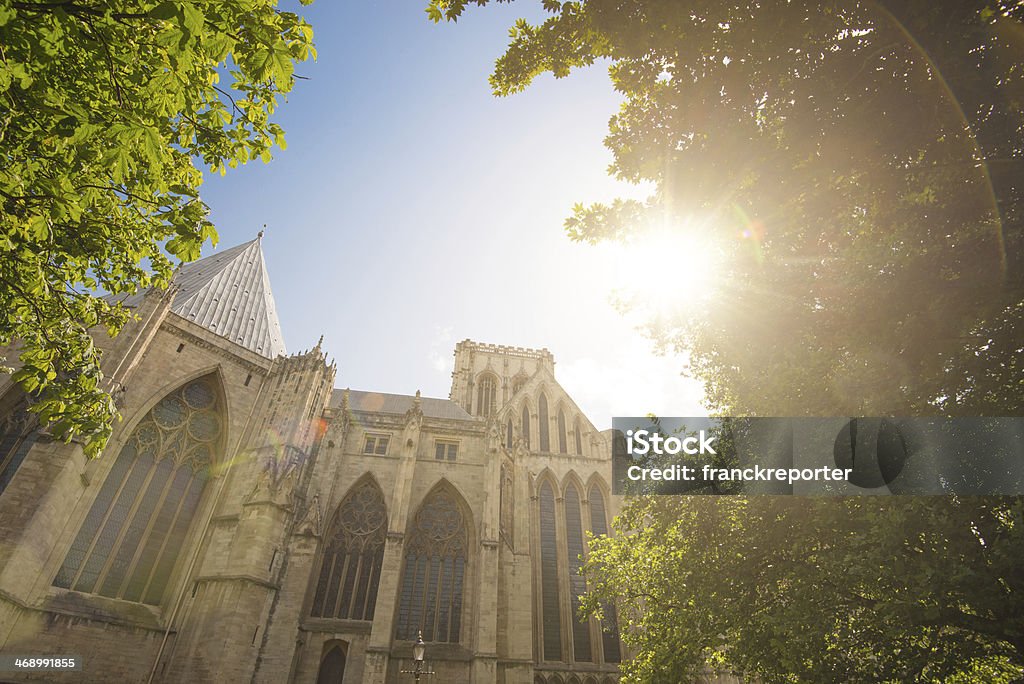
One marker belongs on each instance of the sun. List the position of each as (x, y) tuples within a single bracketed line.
[(670, 269)]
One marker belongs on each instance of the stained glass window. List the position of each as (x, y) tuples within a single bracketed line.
[(542, 420), (551, 611), (434, 571), (353, 556), (610, 626), (129, 542), (577, 585)]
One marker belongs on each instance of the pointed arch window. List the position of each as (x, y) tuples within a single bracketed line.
[(508, 435), (17, 435), (526, 426), (332, 664), (610, 624), (563, 442), (486, 394), (550, 608), (542, 421), (353, 557), (577, 584), (128, 544), (434, 571), (579, 438)]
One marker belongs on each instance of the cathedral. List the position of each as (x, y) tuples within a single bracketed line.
[(249, 521)]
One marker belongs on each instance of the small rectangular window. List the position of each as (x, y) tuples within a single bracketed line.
[(446, 451), (376, 444)]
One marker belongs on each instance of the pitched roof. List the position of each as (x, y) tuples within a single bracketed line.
[(379, 402), (229, 294)]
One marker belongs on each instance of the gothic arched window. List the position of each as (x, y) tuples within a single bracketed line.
[(610, 626), (332, 664), (579, 438), (508, 435), (353, 556), (563, 447), (485, 395), (17, 435), (526, 426), (542, 421), (129, 542), (577, 585), (434, 571), (550, 609)]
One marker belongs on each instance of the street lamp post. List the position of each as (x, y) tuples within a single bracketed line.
[(419, 649)]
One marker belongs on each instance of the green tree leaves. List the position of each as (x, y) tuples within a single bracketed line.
[(860, 166), (819, 590), (110, 111)]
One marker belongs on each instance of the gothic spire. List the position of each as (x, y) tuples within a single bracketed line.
[(229, 294)]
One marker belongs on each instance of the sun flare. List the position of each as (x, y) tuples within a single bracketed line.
[(666, 269)]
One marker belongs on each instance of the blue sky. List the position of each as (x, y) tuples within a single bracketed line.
[(413, 209)]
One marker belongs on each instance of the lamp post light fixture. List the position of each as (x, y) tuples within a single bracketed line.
[(419, 650)]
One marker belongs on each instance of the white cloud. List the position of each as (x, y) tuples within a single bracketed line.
[(440, 352), (630, 380)]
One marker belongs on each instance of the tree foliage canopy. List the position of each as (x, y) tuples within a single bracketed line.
[(860, 166), (109, 111), (794, 590)]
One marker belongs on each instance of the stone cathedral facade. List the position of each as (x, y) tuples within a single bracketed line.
[(251, 522)]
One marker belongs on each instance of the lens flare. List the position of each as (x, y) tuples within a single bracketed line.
[(670, 269)]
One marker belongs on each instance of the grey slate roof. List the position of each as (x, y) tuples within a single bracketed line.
[(379, 402), (229, 294)]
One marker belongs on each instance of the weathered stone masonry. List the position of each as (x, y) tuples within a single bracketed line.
[(263, 526)]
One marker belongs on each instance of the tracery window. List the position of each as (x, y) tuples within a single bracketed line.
[(550, 609), (575, 640), (129, 542), (485, 395), (353, 556), (577, 584), (17, 435), (542, 420), (563, 447), (526, 426), (610, 624), (434, 571)]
